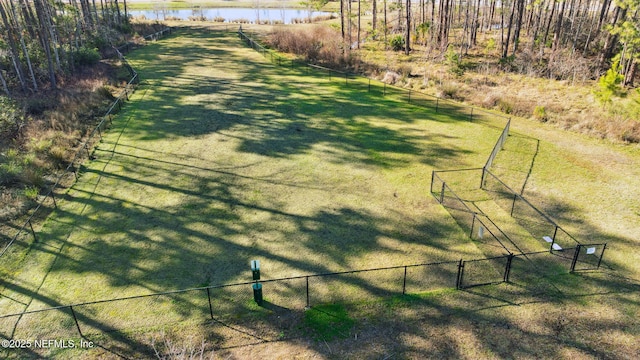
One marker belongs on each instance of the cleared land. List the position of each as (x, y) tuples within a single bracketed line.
[(222, 158)]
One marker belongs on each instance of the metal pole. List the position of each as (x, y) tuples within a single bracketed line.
[(433, 175), (602, 255), (471, 116), (32, 232), (210, 307), (460, 271), (308, 303), (404, 281), (75, 318), (442, 192), (507, 270), (513, 205), (575, 258), (473, 222), (53, 198)]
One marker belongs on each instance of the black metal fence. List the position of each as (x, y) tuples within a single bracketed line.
[(26, 234), (225, 302), (229, 301), (537, 223), (357, 81)]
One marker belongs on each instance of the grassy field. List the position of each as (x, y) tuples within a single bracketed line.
[(221, 158)]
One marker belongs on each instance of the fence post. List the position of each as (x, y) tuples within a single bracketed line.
[(460, 274), (575, 258), (484, 169), (513, 205), (32, 232), (404, 281), (601, 255), (75, 318), (555, 232), (471, 115), (442, 192), (507, 270), (55, 204), (433, 176), (473, 222), (210, 307), (308, 303)]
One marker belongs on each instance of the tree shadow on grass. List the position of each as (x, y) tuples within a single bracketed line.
[(156, 223)]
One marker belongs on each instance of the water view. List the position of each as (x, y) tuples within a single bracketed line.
[(285, 16)]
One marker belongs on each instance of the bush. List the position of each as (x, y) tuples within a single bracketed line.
[(450, 91), (318, 44), (38, 105), (86, 56), (540, 113), (453, 60), (397, 43), (11, 117), (405, 70)]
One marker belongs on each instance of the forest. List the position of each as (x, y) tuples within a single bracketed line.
[(51, 52), (54, 85), (554, 36), (42, 39)]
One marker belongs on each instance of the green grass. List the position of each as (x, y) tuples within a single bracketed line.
[(328, 322), (221, 158)]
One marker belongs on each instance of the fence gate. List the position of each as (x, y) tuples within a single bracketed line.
[(484, 271), (588, 257)]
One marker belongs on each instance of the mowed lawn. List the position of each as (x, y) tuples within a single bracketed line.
[(221, 158)]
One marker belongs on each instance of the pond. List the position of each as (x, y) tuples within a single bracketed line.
[(241, 15)]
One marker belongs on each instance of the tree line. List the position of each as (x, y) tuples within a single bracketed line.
[(42, 39), (550, 31)]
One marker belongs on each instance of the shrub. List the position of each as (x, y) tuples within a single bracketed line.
[(318, 44), (86, 56), (452, 59), (609, 84), (540, 113), (11, 117), (505, 106), (31, 192), (10, 173), (391, 77), (397, 43), (450, 91), (32, 176), (405, 70)]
